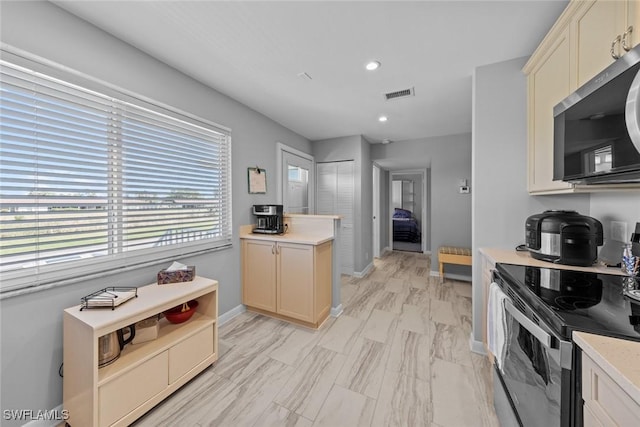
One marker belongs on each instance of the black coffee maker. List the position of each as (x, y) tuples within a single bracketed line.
[(268, 219)]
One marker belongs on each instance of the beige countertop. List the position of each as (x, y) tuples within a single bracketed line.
[(511, 256), (290, 237), (620, 359)]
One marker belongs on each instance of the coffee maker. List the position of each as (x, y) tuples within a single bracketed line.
[(269, 219)]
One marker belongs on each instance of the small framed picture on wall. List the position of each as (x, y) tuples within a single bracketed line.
[(257, 179)]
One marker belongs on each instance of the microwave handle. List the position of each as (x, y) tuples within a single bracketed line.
[(526, 323), (632, 112)]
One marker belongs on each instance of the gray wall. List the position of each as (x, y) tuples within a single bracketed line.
[(501, 203), (354, 148), (448, 212), (32, 324)]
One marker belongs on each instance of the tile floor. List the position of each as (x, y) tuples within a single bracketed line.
[(398, 356)]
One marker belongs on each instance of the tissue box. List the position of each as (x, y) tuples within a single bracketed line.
[(165, 277), (146, 330)]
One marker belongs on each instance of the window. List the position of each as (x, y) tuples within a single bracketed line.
[(91, 183)]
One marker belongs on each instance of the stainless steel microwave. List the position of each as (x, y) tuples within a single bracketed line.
[(597, 128)]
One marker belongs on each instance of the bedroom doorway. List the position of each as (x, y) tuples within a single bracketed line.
[(408, 213)]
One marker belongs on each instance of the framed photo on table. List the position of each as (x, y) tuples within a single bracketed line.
[(257, 179)]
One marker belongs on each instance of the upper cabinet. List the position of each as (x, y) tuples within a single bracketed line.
[(604, 32), (549, 82), (579, 45)]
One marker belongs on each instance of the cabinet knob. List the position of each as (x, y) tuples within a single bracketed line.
[(626, 42), (615, 42)]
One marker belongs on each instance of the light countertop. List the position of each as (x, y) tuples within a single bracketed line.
[(511, 256), (620, 359), (290, 237)]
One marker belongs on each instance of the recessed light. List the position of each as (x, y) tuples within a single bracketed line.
[(373, 65), (382, 118)]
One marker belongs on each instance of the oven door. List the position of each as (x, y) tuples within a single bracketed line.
[(536, 371)]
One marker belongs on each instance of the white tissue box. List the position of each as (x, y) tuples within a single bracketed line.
[(146, 330)]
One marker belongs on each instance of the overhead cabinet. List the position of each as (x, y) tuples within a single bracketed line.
[(288, 280), (582, 42)]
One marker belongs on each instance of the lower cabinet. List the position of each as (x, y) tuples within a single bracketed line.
[(290, 280), (146, 373), (605, 402)]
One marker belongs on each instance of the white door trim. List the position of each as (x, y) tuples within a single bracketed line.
[(280, 150), (376, 210)]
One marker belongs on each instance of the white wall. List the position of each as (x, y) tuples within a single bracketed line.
[(501, 203), (618, 206), (31, 327)]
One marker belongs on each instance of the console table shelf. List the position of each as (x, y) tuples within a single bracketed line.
[(145, 373)]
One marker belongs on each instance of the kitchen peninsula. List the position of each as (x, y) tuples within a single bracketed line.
[(293, 276)]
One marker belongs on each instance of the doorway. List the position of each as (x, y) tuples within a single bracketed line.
[(296, 191), (408, 210)]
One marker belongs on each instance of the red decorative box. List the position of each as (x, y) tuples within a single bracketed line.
[(176, 276)]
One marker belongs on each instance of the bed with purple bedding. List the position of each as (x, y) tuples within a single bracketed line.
[(405, 226)]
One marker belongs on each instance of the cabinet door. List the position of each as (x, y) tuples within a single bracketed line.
[(597, 26), (259, 274), (295, 281), (549, 83)]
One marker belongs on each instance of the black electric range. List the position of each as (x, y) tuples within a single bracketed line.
[(569, 300)]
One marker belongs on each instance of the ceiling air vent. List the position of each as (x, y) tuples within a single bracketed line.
[(399, 94)]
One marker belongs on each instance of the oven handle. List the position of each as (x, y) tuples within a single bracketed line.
[(529, 325)]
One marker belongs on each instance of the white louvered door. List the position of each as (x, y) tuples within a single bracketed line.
[(335, 196)]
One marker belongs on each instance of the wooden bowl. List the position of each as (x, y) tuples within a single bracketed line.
[(176, 315)]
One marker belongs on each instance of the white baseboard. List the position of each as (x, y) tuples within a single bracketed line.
[(476, 346), (55, 415), (361, 274), (386, 249), (336, 311), (461, 277), (224, 318)]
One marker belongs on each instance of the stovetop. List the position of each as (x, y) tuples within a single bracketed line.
[(568, 300)]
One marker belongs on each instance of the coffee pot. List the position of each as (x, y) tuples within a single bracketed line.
[(111, 344)]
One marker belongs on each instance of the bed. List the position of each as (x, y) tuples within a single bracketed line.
[(405, 226)]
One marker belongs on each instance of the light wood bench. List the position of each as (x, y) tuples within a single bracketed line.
[(453, 255)]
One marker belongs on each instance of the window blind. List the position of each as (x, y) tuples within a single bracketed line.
[(90, 182)]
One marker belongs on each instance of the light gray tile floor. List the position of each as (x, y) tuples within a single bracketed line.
[(398, 356)]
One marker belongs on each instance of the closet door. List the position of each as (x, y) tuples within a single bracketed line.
[(335, 196)]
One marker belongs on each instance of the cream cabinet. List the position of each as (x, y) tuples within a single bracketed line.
[(605, 402), (144, 374), (602, 30), (576, 49), (548, 83), (287, 280)]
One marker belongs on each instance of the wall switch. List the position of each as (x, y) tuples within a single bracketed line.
[(619, 231)]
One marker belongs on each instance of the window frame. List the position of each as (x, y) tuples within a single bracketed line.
[(18, 282)]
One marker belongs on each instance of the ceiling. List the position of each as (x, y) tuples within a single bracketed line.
[(255, 52)]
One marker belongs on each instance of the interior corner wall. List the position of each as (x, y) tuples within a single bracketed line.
[(354, 148), (31, 325), (364, 257), (501, 203)]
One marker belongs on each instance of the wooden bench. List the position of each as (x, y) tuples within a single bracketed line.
[(453, 255)]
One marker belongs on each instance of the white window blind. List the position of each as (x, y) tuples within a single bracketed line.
[(91, 183)]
